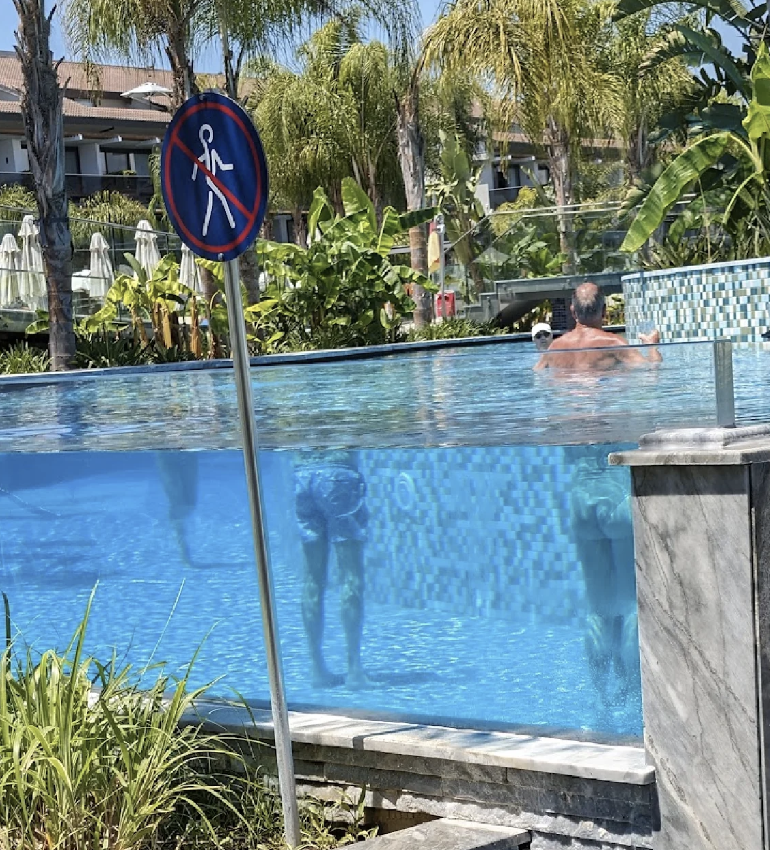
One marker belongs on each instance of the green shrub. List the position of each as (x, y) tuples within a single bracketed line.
[(100, 211), (454, 328), (81, 769), (21, 359), (15, 202), (344, 289), (93, 758), (104, 348)]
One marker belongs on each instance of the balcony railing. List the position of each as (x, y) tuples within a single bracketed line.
[(84, 185), (503, 196)]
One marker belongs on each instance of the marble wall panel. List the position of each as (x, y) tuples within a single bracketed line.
[(695, 585)]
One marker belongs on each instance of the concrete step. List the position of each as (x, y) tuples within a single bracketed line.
[(449, 834)]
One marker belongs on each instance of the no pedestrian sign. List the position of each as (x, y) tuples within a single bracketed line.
[(214, 176)]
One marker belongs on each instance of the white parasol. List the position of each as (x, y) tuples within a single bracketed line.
[(147, 253), (102, 274), (189, 272), (9, 270), (32, 289)]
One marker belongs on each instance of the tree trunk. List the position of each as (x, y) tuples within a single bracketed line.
[(638, 152), (411, 158), (249, 268), (182, 75), (375, 196), (335, 196), (560, 166), (300, 228), (41, 109)]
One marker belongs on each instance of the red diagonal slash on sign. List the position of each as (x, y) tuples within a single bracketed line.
[(214, 179)]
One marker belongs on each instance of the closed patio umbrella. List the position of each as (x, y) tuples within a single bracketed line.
[(9, 270), (147, 253), (102, 274), (189, 273), (32, 289)]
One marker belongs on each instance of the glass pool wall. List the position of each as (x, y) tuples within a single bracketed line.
[(497, 544)]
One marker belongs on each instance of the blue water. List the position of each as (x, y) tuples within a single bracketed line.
[(475, 603)]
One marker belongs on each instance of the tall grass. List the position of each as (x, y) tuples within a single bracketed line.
[(89, 761), (94, 770)]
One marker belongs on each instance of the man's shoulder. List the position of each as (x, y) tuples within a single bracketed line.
[(605, 339), (599, 339)]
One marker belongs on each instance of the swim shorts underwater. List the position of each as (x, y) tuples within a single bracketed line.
[(329, 502)]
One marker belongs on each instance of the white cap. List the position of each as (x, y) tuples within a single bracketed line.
[(541, 326)]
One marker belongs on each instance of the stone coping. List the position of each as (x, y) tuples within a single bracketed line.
[(587, 760), (361, 353), (699, 447)]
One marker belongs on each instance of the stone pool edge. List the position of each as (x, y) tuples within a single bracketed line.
[(581, 759), (567, 795)]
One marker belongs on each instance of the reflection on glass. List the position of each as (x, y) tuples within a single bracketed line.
[(600, 515)]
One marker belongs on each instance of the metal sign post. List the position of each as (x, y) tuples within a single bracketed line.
[(240, 354), (214, 181)]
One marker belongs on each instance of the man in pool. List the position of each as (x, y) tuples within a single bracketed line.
[(602, 530), (587, 309), (329, 494)]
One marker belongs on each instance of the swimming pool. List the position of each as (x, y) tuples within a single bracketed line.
[(475, 607)]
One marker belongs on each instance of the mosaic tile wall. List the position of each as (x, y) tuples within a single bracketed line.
[(701, 302), (474, 529)]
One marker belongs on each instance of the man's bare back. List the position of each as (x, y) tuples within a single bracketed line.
[(604, 350)]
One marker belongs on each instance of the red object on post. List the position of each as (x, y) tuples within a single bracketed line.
[(449, 304)]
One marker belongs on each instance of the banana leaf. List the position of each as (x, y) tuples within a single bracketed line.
[(732, 11), (682, 172), (757, 121)]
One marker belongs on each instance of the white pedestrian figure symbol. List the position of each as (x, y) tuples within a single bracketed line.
[(212, 161)]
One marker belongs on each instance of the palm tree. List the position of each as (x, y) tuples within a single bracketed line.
[(654, 85), (543, 58), (41, 109), (411, 156), (301, 123), (138, 29), (353, 109)]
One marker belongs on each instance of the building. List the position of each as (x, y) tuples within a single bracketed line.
[(109, 131), (513, 163)]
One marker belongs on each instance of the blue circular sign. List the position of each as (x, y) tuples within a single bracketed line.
[(214, 176)]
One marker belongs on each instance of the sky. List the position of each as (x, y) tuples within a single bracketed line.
[(206, 63), (209, 60)]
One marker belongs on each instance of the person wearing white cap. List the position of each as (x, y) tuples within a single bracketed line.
[(542, 335)]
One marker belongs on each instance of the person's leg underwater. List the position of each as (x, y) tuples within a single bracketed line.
[(350, 560), (596, 561), (179, 476), (626, 659), (315, 555), (316, 567)]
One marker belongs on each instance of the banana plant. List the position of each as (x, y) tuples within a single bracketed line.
[(738, 160), (160, 298), (344, 288)]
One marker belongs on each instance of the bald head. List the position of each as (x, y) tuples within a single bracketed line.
[(588, 305)]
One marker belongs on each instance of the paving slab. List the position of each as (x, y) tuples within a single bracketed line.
[(449, 834)]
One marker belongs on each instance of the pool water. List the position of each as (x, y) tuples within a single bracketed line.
[(455, 629), (485, 510)]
